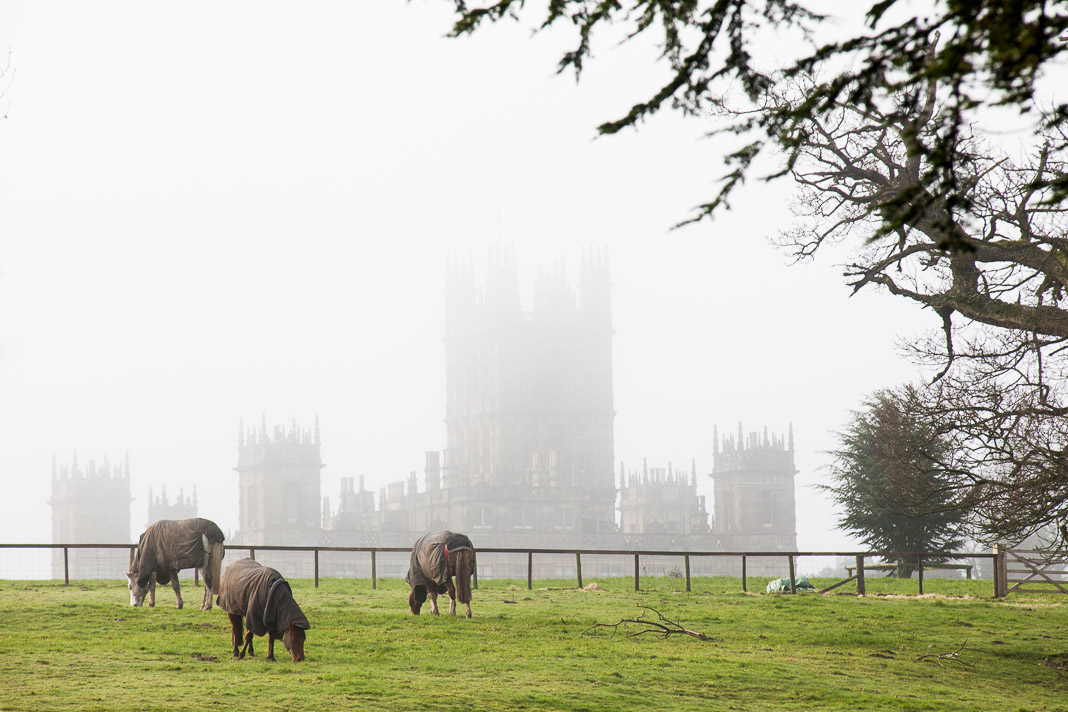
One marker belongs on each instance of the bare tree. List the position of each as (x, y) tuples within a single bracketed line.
[(992, 268)]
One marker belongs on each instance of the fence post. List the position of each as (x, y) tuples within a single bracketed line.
[(860, 575), (1001, 575), (919, 569), (1003, 569), (793, 583), (578, 568), (252, 554), (131, 556), (196, 576), (745, 587), (66, 568), (635, 571), (687, 559), (474, 575), (530, 569), (317, 568)]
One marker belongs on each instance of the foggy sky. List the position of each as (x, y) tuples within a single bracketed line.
[(211, 212)]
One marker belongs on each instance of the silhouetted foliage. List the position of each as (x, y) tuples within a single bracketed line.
[(984, 54)]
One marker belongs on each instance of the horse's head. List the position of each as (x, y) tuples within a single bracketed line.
[(137, 592), (294, 642), (416, 599)]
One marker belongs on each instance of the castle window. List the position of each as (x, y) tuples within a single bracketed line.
[(291, 503), (567, 518), (481, 518), (523, 517)]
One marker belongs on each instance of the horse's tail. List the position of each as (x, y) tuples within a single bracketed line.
[(213, 571), (464, 566)]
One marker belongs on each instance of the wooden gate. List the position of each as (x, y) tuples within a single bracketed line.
[(1038, 571)]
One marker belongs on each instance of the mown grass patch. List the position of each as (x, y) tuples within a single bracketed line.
[(82, 647)]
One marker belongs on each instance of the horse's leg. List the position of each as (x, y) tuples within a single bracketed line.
[(452, 596), (205, 605), (248, 644), (469, 609), (270, 645), (177, 588), (433, 600), (152, 590), (237, 631)]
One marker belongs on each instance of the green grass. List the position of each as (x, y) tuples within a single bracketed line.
[(81, 647)]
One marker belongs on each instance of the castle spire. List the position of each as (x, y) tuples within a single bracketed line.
[(791, 446)]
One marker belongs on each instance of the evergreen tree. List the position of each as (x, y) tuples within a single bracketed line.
[(890, 481)]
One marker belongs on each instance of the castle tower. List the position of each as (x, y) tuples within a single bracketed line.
[(529, 411), (754, 492), (279, 483), (91, 505), (162, 507), (661, 502)]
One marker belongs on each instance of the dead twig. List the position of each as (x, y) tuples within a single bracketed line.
[(951, 657), (662, 628)]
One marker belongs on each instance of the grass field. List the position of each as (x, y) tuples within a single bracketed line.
[(81, 647)]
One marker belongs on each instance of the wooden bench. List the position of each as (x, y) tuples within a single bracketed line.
[(926, 567)]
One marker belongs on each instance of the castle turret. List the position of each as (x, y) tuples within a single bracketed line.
[(279, 484), (754, 493), (91, 505)]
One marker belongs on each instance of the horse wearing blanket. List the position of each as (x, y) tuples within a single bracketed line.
[(263, 597), (435, 559), (167, 547)]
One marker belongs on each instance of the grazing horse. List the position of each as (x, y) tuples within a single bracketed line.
[(167, 547), (435, 559), (263, 597)]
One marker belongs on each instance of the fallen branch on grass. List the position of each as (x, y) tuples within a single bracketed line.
[(662, 628), (951, 657)]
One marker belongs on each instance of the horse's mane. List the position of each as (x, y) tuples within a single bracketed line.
[(464, 565)]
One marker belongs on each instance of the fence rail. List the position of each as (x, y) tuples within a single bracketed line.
[(746, 559)]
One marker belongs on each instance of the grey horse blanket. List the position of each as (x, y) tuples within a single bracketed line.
[(171, 545), (430, 562), (262, 596)]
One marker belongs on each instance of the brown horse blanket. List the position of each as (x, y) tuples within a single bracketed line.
[(430, 561), (172, 546), (262, 596)]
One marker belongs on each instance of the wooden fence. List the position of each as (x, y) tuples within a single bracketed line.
[(855, 573), (1040, 572)]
